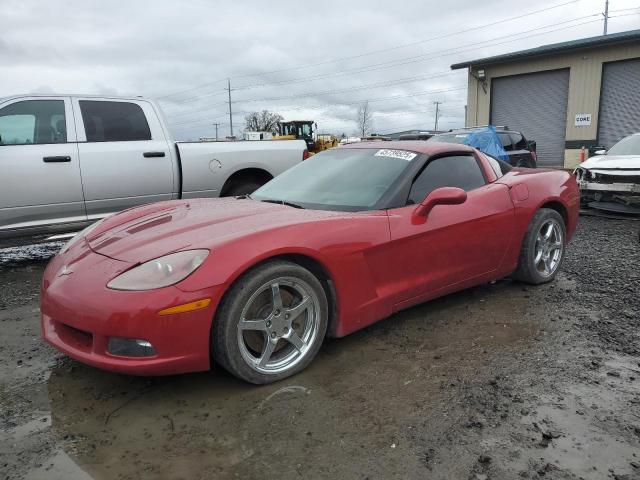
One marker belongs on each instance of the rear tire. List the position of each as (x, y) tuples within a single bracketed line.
[(271, 323), (244, 188), (542, 250)]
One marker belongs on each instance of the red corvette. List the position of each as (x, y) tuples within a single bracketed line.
[(338, 242)]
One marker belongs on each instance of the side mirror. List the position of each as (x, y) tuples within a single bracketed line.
[(441, 196), (600, 152)]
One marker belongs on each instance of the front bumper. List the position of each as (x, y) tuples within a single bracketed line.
[(610, 187), (79, 315)]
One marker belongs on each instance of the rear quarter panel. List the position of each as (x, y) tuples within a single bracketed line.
[(532, 189), (207, 165)]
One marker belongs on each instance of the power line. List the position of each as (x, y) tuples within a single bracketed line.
[(424, 57), (191, 89), (439, 37), (623, 9), (392, 64), (625, 15), (205, 109), (337, 104), (475, 47), (402, 61), (373, 52), (395, 64), (353, 89)]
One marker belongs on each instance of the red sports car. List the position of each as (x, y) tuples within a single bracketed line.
[(338, 242)]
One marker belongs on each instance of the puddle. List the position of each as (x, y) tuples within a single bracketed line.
[(591, 429)]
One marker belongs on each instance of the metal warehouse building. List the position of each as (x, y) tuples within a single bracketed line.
[(564, 96)]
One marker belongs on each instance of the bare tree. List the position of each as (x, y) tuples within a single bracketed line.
[(264, 121), (364, 119)]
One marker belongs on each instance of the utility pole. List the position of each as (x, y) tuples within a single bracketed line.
[(606, 16), (230, 112), (435, 127), (216, 125)]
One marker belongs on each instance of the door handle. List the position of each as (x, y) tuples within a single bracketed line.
[(153, 154), (57, 159)]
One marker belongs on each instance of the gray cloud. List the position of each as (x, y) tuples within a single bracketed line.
[(155, 49)]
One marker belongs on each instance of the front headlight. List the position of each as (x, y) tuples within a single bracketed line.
[(160, 272)]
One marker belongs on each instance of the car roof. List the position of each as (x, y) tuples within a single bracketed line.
[(74, 95), (421, 146), (475, 129)]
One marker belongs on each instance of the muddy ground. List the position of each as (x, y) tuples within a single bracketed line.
[(502, 381)]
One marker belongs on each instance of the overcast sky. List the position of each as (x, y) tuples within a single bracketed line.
[(314, 60)]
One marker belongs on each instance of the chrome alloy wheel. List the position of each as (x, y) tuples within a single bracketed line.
[(278, 325), (549, 248)]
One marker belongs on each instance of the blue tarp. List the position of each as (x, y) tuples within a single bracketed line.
[(487, 141)]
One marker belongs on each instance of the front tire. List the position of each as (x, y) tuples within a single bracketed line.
[(542, 250), (271, 323)]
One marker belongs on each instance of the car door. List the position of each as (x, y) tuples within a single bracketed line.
[(124, 155), (40, 180), (454, 243)]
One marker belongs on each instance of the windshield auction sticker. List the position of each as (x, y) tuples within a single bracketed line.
[(401, 154)]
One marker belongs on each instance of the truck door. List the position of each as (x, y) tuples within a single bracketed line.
[(40, 171), (124, 155)]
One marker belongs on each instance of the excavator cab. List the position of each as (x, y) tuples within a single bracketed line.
[(306, 130), (299, 130)]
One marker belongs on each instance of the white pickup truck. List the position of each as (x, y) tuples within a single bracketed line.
[(67, 160)]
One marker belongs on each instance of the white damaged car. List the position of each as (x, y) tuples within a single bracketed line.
[(611, 179)]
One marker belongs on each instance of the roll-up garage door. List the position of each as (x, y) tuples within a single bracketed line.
[(619, 102), (536, 105)]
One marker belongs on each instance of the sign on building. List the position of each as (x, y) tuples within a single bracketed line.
[(583, 120)]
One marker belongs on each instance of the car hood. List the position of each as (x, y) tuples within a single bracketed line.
[(613, 162), (150, 231)]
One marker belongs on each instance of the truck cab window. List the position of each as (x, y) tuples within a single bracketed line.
[(113, 121), (460, 171), (33, 122)]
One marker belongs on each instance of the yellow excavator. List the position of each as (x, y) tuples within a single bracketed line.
[(306, 130)]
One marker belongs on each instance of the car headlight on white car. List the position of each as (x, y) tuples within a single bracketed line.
[(160, 272)]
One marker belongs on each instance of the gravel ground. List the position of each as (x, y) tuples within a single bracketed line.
[(502, 381)]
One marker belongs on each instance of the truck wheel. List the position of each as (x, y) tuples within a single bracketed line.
[(542, 249), (271, 323), (244, 188)]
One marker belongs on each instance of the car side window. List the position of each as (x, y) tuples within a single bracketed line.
[(499, 167), (113, 121), (460, 171), (33, 122)]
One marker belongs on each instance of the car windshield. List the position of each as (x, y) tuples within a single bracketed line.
[(627, 146), (347, 179), (450, 137)]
